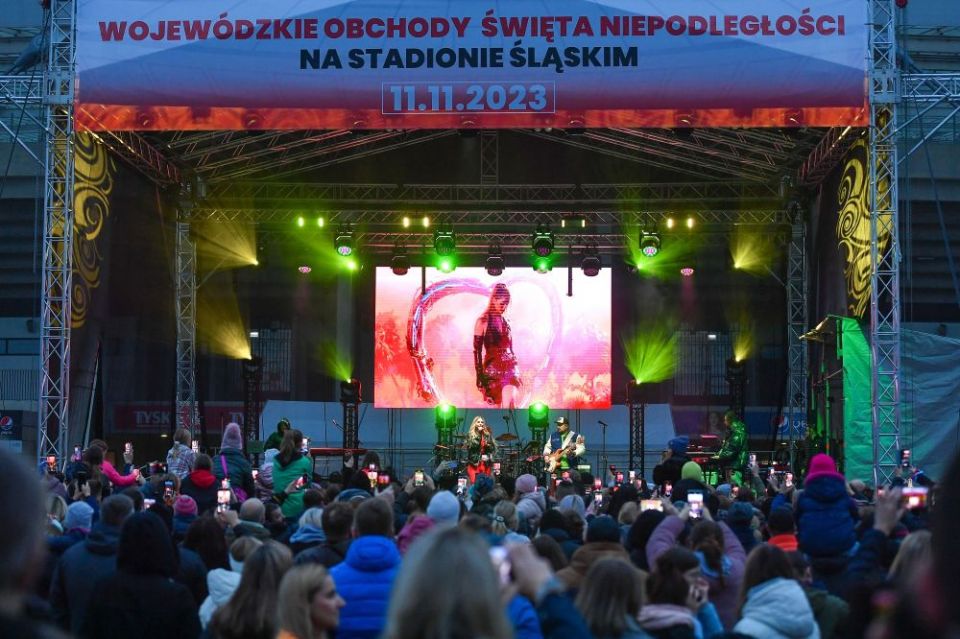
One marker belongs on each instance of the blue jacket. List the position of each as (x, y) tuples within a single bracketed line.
[(825, 517), (523, 618), (364, 580)]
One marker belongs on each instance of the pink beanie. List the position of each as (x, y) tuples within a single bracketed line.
[(526, 484), (184, 506), (822, 466)]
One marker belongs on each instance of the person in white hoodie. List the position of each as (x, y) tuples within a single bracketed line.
[(773, 604), (222, 583)]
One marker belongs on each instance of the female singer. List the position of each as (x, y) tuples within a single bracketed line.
[(496, 365), (481, 448)]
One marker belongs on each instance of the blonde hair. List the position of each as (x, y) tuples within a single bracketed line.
[(56, 507), (442, 570), (243, 547), (505, 518), (297, 589), (628, 513), (914, 553)]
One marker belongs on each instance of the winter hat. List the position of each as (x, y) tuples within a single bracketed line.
[(603, 528), (574, 503), (678, 445), (232, 437), (526, 484), (724, 490), (740, 513), (822, 466), (691, 470), (444, 508), (79, 515), (184, 506)]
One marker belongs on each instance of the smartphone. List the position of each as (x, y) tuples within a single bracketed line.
[(651, 504), (597, 483), (305, 479), (619, 477), (501, 563), (51, 463), (914, 497), (496, 468), (372, 475), (148, 503), (300, 482), (667, 489), (196, 445), (223, 499), (753, 458), (696, 504), (418, 478), (127, 448), (383, 479), (81, 478), (734, 491), (168, 496), (788, 480), (461, 485), (372, 467), (256, 474), (77, 453), (598, 498), (632, 475), (905, 458)]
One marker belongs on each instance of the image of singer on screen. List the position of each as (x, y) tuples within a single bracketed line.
[(498, 377)]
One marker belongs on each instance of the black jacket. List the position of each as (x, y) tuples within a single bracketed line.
[(326, 554), (143, 606), (71, 588)]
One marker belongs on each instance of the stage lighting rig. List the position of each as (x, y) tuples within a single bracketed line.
[(343, 241), (350, 391), (649, 242), (444, 240), (538, 420), (445, 417), (400, 262), (542, 242), (495, 263), (590, 263)]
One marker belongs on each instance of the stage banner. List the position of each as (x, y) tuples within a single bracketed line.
[(419, 64)]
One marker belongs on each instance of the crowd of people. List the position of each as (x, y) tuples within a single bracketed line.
[(209, 546)]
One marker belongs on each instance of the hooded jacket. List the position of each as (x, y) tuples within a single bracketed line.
[(778, 609), (241, 473), (826, 517), (364, 580), (82, 565), (221, 585), (586, 556), (202, 486)]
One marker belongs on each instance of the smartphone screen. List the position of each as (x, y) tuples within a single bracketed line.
[(788, 480), (372, 474), (914, 497), (128, 448), (651, 504), (418, 478), (667, 489), (753, 458), (300, 482), (148, 503), (696, 504), (461, 485), (501, 563), (597, 483), (735, 491), (619, 477), (196, 445), (496, 468), (52, 462), (383, 480), (905, 458), (256, 474), (223, 499), (598, 498), (632, 475)]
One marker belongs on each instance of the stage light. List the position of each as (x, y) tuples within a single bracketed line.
[(446, 264), (542, 242), (445, 416), (321, 222), (591, 263), (712, 337), (573, 222), (344, 241), (670, 222), (352, 264), (304, 269), (495, 263), (690, 222), (444, 241), (649, 243), (350, 391), (400, 262), (650, 354), (406, 222), (538, 420), (301, 221), (539, 410), (426, 222), (542, 265), (687, 271), (254, 334)]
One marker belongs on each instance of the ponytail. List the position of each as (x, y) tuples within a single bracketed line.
[(707, 539)]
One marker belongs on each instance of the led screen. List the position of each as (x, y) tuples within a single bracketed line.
[(530, 341)]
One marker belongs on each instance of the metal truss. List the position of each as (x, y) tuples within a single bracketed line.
[(637, 441), (57, 250), (828, 153), (884, 95), (18, 90), (186, 307), (796, 326), (930, 87), (489, 157), (134, 149)]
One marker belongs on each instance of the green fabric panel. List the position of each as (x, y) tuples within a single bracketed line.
[(857, 423)]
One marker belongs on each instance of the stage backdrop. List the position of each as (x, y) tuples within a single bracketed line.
[(424, 352), (319, 64)]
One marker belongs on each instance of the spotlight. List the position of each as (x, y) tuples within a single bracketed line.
[(344, 241), (573, 222), (542, 241), (301, 221), (446, 264), (445, 416), (542, 265), (690, 222), (426, 222), (538, 418), (304, 269), (406, 222), (350, 391), (670, 222), (591, 263), (254, 334), (444, 241), (495, 264), (649, 243), (400, 262), (712, 337), (687, 271)]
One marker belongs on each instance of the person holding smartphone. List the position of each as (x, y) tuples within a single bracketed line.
[(290, 466)]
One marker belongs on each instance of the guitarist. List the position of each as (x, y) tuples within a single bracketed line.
[(564, 448)]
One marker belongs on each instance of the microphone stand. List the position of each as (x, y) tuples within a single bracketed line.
[(602, 456)]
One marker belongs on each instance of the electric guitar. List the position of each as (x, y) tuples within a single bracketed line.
[(552, 460)]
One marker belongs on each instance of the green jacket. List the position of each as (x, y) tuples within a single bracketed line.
[(292, 506), (733, 454)]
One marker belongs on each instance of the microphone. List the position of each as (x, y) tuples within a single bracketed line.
[(601, 422)]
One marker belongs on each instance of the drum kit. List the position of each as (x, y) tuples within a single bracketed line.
[(514, 456)]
